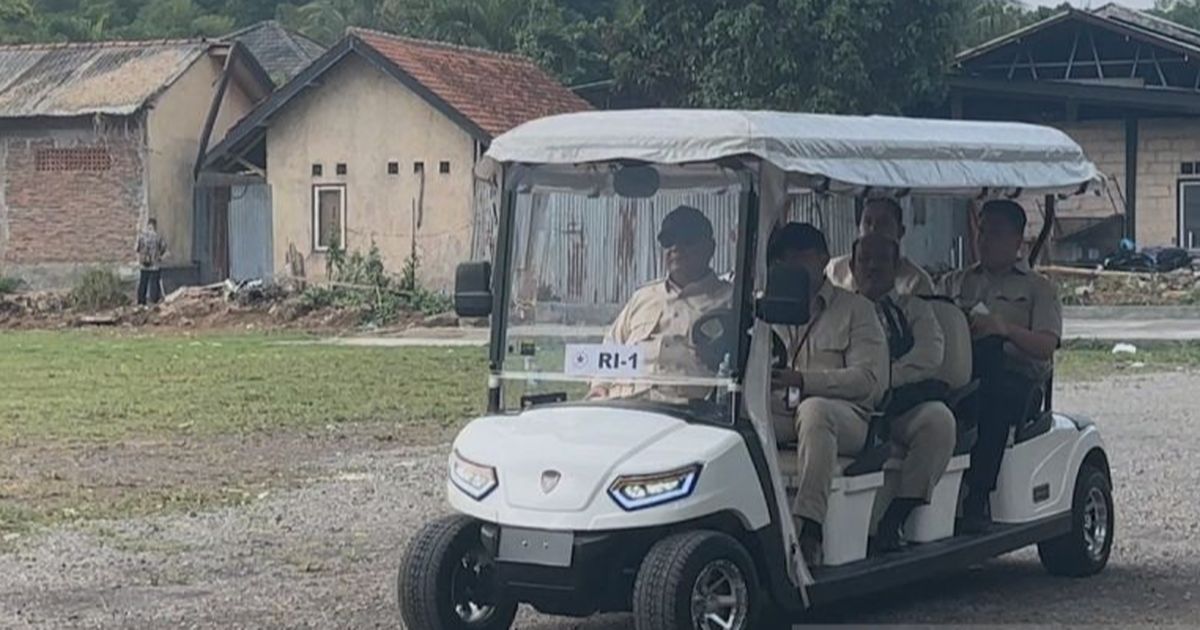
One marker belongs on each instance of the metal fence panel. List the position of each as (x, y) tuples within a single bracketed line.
[(598, 250), (250, 233)]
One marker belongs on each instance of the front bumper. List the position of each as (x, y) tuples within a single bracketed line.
[(599, 578)]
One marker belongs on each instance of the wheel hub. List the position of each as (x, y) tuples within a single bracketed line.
[(1095, 523), (720, 598), (465, 584)]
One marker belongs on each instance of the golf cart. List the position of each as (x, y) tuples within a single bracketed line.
[(670, 499)]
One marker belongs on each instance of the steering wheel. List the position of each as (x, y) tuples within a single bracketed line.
[(715, 336)]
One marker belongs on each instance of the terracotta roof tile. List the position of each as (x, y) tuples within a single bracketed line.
[(495, 91)]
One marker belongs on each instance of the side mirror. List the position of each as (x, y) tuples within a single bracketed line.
[(473, 289), (785, 300)]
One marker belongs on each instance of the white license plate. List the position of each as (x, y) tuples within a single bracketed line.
[(534, 546)]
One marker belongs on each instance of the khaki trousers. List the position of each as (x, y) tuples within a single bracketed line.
[(823, 429), (923, 438)]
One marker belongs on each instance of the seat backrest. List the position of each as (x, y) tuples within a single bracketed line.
[(956, 366)]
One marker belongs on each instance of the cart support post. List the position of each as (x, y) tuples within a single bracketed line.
[(1047, 225)]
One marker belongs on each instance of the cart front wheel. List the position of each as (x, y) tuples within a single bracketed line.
[(1085, 550), (445, 580), (696, 581)]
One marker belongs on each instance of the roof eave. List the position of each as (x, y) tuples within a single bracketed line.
[(1008, 38), (1126, 28), (1148, 99)]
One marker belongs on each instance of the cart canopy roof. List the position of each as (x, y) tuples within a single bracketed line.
[(836, 153)]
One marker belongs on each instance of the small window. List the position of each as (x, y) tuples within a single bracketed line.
[(444, 168), (318, 170), (1187, 168), (72, 159), (329, 217), (341, 168), (418, 167), (393, 168)]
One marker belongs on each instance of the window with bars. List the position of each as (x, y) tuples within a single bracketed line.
[(72, 159)]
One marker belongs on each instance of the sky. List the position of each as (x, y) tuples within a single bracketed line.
[(1085, 4)]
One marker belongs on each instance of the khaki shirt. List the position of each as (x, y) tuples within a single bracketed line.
[(929, 344), (659, 317), (845, 356), (1020, 297), (911, 279)]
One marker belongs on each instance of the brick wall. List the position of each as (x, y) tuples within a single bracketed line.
[(79, 202), (1104, 144), (1162, 144)]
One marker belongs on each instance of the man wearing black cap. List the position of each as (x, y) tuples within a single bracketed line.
[(835, 372), (660, 315)]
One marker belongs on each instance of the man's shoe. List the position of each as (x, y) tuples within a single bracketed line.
[(885, 542), (976, 524), (976, 518)]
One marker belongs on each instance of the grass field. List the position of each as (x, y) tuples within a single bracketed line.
[(80, 386), (113, 424), (98, 387)]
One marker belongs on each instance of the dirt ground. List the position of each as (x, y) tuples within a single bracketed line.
[(315, 538)]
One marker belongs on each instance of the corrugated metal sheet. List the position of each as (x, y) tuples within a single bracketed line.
[(79, 79), (831, 214), (250, 238), (935, 226), (555, 262)]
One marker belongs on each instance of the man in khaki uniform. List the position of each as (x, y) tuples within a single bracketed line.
[(835, 373), (1016, 322), (883, 215), (922, 428), (659, 316)]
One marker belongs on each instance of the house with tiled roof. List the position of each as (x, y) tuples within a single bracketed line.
[(376, 142), (96, 138)]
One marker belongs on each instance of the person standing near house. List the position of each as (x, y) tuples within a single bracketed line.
[(151, 247)]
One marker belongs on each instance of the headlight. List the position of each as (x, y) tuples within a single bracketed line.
[(476, 480), (643, 491)]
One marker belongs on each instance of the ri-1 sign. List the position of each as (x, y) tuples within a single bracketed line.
[(597, 359)]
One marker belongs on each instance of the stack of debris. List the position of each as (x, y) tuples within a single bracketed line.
[(1079, 287), (36, 305)]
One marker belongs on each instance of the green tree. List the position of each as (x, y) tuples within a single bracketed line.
[(327, 20), (12, 11), (1183, 12), (852, 56)]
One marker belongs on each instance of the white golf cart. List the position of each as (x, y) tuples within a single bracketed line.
[(669, 496)]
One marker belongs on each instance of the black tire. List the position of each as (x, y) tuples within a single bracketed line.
[(433, 562), (662, 592), (1073, 554)]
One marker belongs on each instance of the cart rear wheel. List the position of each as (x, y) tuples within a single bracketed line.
[(1085, 550), (445, 580), (696, 581)]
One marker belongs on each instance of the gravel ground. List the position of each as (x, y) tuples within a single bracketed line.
[(324, 555)]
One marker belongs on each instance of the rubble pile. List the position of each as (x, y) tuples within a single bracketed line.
[(1180, 287), (246, 305)]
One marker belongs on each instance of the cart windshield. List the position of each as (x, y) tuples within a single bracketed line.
[(622, 298)]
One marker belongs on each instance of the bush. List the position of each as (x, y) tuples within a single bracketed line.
[(9, 284), (382, 299), (97, 290)]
